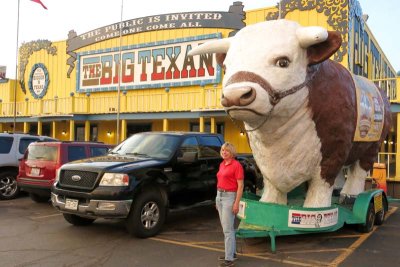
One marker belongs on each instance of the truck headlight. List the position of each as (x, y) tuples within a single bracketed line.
[(58, 171), (114, 179)]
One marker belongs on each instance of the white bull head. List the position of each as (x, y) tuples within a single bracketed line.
[(264, 63)]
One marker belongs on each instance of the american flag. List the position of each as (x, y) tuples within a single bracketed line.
[(39, 2)]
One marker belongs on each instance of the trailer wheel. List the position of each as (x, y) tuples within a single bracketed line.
[(380, 216), (369, 220)]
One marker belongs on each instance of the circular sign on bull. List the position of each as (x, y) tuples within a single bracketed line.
[(38, 80)]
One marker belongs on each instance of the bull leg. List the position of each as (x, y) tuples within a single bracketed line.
[(355, 182), (272, 195), (319, 194)]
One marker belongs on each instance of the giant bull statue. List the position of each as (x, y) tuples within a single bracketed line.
[(306, 116)]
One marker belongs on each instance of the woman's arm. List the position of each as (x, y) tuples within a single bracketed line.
[(239, 194)]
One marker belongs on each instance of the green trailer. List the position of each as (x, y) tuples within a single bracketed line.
[(260, 219)]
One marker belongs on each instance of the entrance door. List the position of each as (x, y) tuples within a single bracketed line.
[(137, 128)]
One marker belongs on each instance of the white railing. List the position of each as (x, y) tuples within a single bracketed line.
[(389, 85)]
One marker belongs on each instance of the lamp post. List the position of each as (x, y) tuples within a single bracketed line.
[(16, 75), (119, 74)]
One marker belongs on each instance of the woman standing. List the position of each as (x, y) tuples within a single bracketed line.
[(229, 191)]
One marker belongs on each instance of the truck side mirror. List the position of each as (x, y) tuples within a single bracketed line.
[(187, 157)]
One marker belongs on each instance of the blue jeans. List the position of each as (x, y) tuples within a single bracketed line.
[(224, 203)]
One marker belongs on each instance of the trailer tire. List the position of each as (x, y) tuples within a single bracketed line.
[(369, 220), (380, 216)]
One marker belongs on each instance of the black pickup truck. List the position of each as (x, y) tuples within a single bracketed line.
[(143, 178)]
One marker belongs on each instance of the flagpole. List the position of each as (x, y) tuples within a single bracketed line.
[(119, 74), (16, 75)]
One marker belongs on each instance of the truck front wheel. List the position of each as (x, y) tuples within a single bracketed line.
[(77, 220), (147, 214)]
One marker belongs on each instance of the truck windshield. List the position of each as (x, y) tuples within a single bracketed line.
[(148, 146)]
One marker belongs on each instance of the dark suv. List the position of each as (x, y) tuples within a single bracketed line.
[(38, 167), (12, 148)]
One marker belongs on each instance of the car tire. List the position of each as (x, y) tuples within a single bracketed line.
[(9, 188), (369, 220), (39, 198), (147, 215), (77, 220)]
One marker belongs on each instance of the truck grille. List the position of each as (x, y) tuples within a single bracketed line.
[(70, 178)]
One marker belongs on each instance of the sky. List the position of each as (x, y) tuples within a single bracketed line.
[(62, 16)]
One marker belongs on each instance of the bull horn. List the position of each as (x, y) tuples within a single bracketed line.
[(311, 35), (215, 46)]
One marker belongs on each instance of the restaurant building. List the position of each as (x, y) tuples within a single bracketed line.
[(77, 89)]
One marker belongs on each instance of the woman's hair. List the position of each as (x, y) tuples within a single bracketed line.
[(231, 148)]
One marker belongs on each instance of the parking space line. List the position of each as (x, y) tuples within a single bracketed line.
[(206, 242), (346, 236), (174, 233), (344, 252), (358, 242), (256, 256), (45, 216), (314, 251)]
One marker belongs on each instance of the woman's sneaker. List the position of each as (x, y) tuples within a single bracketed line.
[(222, 258), (227, 264)]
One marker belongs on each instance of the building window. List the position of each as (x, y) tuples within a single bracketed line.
[(80, 133), (137, 128), (195, 127)]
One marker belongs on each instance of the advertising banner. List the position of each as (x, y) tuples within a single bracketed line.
[(3, 72)]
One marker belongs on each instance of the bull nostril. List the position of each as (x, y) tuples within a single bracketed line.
[(247, 95), (224, 101), (247, 98)]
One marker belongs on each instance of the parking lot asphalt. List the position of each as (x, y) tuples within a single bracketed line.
[(33, 234)]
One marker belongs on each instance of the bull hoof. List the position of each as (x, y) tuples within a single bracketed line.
[(347, 199)]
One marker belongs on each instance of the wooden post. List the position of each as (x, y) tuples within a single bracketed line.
[(213, 125), (87, 131), (201, 124), (26, 127), (397, 152), (124, 126), (53, 129), (165, 125), (71, 130), (39, 128)]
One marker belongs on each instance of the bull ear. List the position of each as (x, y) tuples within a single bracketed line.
[(321, 51)]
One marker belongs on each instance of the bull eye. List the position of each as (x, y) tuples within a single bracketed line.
[(283, 62), (224, 68)]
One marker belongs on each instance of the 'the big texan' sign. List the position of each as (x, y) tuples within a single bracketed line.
[(151, 65)]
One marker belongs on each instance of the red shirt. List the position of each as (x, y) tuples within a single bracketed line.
[(229, 174)]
